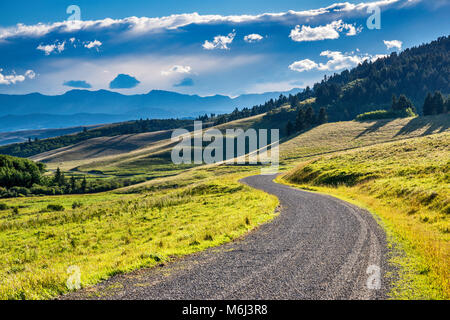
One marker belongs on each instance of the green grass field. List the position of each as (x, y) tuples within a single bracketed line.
[(112, 233), (406, 183), (180, 210)]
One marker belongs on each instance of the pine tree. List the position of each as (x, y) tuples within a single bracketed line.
[(300, 120), (59, 179), (428, 105), (310, 117), (438, 102), (84, 185), (323, 117), (73, 184), (394, 102), (403, 103), (289, 128)]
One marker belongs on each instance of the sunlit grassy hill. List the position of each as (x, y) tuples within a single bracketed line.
[(183, 209), (407, 184), (345, 135)]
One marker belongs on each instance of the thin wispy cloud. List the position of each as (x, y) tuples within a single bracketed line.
[(176, 69), (145, 25), (77, 84), (228, 53)]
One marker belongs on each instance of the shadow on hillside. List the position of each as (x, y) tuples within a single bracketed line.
[(434, 124), (374, 127)]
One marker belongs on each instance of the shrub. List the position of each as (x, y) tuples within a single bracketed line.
[(385, 114), (55, 207), (3, 206), (77, 204)]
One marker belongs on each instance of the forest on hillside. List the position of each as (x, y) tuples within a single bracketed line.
[(36, 146), (415, 73)]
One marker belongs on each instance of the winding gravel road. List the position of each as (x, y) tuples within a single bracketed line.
[(319, 247)]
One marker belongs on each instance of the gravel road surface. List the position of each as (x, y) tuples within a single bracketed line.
[(319, 247)]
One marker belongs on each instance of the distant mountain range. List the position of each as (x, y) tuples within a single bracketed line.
[(84, 107)]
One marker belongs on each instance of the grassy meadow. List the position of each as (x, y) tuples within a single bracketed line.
[(406, 183), (177, 210), (109, 233)]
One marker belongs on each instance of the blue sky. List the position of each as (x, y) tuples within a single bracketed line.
[(200, 47)]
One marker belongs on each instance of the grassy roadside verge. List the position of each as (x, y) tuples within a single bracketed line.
[(114, 233), (406, 185)]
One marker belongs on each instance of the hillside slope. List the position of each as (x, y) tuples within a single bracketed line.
[(407, 184), (339, 136)]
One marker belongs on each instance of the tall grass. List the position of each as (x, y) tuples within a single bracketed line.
[(407, 184), (106, 234)]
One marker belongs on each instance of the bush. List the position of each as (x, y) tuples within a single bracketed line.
[(385, 114), (20, 191), (77, 204), (55, 207), (3, 206)]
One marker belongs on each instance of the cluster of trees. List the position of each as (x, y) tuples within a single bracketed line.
[(17, 172), (59, 184), (23, 177), (368, 86), (305, 119), (400, 108), (415, 71), (270, 105), (436, 104), (30, 148)]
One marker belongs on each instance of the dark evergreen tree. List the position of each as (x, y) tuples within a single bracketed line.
[(310, 118), (402, 104), (428, 105), (59, 179), (323, 117), (394, 102), (73, 184), (438, 102), (84, 185), (289, 128), (300, 120)]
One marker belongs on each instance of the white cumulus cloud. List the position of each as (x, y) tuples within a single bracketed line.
[(220, 42), (303, 65), (393, 44), (146, 24), (14, 78), (254, 37), (329, 31), (50, 48), (30, 74), (176, 69), (93, 44), (336, 61)]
